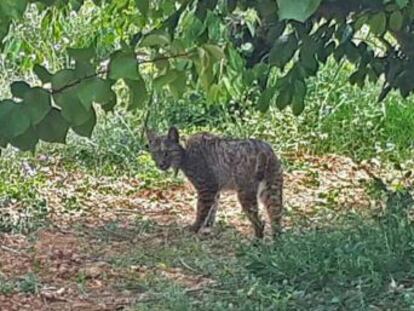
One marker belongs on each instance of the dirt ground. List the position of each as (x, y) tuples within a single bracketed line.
[(74, 256)]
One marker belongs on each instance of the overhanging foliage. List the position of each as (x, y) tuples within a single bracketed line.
[(226, 48)]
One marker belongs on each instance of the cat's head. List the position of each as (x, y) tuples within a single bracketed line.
[(165, 150)]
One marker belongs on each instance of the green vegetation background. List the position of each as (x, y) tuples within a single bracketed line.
[(357, 264)]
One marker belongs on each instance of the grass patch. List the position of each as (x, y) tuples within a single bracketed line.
[(359, 265), (6, 286), (22, 206), (28, 284)]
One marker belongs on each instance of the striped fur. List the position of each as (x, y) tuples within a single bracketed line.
[(214, 164)]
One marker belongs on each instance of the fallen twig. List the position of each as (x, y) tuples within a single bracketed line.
[(14, 251), (185, 265)]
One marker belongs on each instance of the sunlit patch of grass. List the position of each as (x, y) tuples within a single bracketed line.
[(22, 207)]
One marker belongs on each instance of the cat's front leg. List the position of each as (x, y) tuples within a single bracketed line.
[(206, 209), (211, 217)]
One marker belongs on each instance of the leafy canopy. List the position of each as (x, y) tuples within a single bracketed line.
[(229, 49)]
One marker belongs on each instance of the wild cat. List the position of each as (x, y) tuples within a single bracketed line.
[(214, 164)]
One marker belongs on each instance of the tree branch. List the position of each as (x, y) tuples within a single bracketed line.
[(345, 8), (76, 82), (106, 70)]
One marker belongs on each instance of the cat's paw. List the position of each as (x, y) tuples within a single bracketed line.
[(194, 228), (205, 231)]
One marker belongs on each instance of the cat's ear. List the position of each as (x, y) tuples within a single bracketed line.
[(173, 134), (150, 134)]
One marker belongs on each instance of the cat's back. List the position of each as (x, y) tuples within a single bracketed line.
[(224, 147), (229, 158), (201, 139)]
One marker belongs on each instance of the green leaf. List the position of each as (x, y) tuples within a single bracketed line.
[(42, 73), (396, 20), (236, 62), (3, 142), (26, 141), (143, 6), (87, 127), (405, 81), (84, 70), (13, 8), (19, 88), (231, 5), (402, 3), (155, 39), (63, 78), (298, 99), (72, 108), (284, 98), (165, 79), (265, 99), (83, 54), (203, 7), (351, 52), (194, 28), (384, 92), (325, 52), (16, 121), (267, 8), (171, 22), (259, 71), (94, 90), (212, 94), (299, 10), (178, 86), (215, 51), (308, 61), (6, 107), (377, 23), (283, 50), (53, 128), (37, 104), (345, 33), (138, 93), (358, 77), (110, 102), (12, 120), (206, 77), (339, 53), (214, 27), (76, 4), (360, 21), (162, 64), (123, 65)]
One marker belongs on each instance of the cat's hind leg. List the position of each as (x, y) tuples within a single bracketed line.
[(248, 201), (271, 195)]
